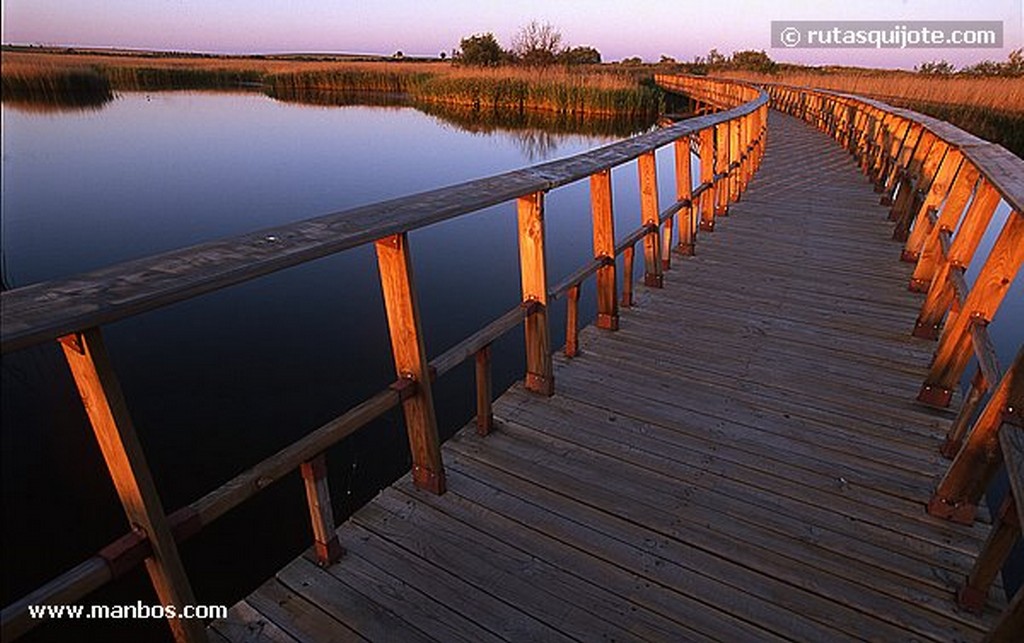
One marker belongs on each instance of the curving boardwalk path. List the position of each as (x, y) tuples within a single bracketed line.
[(742, 461)]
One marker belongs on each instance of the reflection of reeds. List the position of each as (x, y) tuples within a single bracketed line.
[(54, 89)]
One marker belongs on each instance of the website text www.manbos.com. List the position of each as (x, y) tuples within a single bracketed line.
[(126, 612), (878, 34)]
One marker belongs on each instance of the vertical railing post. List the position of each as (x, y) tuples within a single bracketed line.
[(961, 250), (684, 192), (721, 164), (318, 496), (484, 391), (932, 256), (707, 177), (533, 275), (572, 321), (648, 171), (410, 357), (957, 495), (938, 190), (627, 276), (108, 414), (955, 344), (922, 175), (604, 249)]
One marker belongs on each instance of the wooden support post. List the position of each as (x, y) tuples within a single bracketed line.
[(1005, 532), (940, 292), (684, 191), (991, 285), (533, 275), (396, 280), (484, 392), (627, 276), (962, 424), (604, 248), (649, 212), (721, 164), (318, 495), (932, 255), (707, 176), (923, 169), (108, 414), (735, 152), (957, 495), (938, 190), (910, 178), (572, 324)]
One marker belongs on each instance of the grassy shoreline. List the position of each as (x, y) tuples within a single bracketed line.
[(585, 92)]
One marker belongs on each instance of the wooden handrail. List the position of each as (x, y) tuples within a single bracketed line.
[(73, 309)]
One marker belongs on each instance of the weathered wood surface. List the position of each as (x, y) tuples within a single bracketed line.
[(743, 460)]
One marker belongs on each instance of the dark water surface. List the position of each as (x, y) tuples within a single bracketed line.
[(219, 382)]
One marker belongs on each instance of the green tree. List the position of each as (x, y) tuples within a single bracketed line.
[(936, 68), (481, 49), (752, 61), (581, 55)]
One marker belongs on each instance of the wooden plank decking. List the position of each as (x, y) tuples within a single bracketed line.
[(743, 460)]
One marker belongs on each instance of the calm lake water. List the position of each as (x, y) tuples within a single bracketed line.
[(219, 382)]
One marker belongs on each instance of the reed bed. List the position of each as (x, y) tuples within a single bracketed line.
[(592, 90), (1002, 93)]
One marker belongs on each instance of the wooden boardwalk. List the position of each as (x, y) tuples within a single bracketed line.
[(742, 461)]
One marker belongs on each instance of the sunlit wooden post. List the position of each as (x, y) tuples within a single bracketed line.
[(720, 165), (957, 495), (410, 356), (484, 391), (961, 250), (938, 190), (955, 345), (533, 275), (707, 177), (318, 496), (735, 151), (649, 212), (627, 275), (108, 414), (932, 255), (604, 249), (923, 174), (901, 162), (684, 192)]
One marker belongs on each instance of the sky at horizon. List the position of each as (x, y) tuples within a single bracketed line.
[(681, 29)]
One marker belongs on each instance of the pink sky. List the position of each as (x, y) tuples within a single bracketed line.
[(618, 28)]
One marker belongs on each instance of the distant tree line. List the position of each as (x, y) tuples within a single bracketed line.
[(534, 45), (1012, 66)]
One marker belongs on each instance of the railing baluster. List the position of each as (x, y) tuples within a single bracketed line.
[(707, 176), (649, 212), (484, 391), (721, 162), (627, 276), (922, 175), (955, 345), (604, 248), (957, 495), (410, 357), (572, 324), (961, 250), (684, 191), (932, 256), (1004, 535), (108, 414), (318, 496), (938, 190), (533, 275)]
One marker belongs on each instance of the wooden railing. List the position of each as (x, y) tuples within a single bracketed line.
[(730, 144), (944, 186)]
